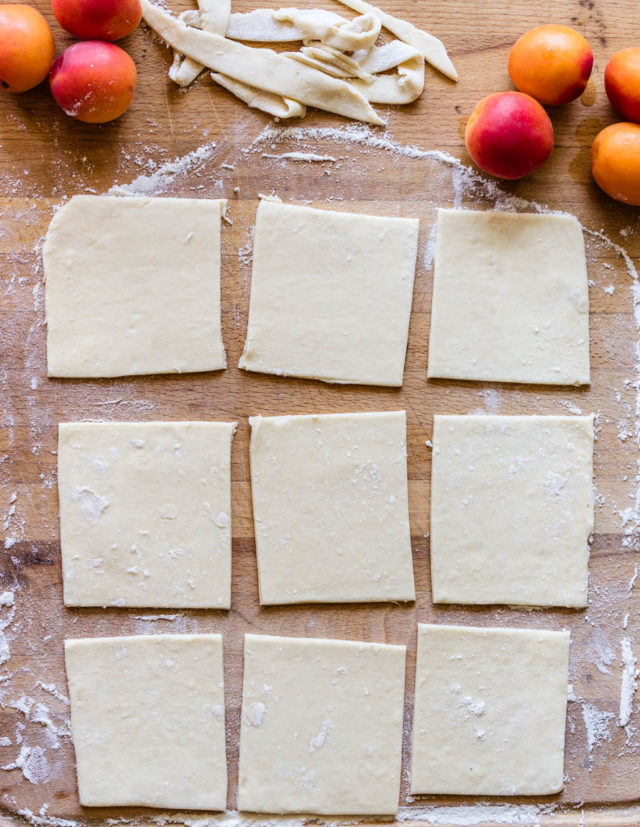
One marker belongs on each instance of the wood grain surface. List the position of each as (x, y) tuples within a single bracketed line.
[(45, 157)]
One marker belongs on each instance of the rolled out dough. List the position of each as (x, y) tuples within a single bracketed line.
[(147, 716), (321, 727), (490, 709), (511, 509), (145, 513), (330, 508), (133, 286), (510, 299), (330, 295)]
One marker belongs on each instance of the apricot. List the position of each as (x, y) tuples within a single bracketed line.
[(622, 82), (98, 19), (509, 135), (26, 47), (551, 63), (93, 81), (615, 162)]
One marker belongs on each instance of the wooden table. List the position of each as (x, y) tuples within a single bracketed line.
[(45, 157)]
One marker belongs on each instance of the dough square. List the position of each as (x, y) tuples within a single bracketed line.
[(330, 508), (331, 295), (145, 513), (510, 299), (490, 710), (511, 509), (147, 718), (321, 727), (133, 286)]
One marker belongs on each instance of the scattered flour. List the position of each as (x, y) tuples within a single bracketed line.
[(467, 815), (33, 764), (52, 689), (571, 407), (300, 156), (7, 601), (629, 682), (597, 723), (318, 741), (92, 504), (162, 178), (257, 713)]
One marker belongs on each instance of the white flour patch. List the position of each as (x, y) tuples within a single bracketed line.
[(597, 725), (256, 714), (45, 820), (92, 504), (629, 682), (32, 762), (163, 177), (7, 601), (300, 156), (318, 741), (5, 649), (467, 815), (571, 407)]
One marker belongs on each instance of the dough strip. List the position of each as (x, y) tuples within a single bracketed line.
[(277, 74)]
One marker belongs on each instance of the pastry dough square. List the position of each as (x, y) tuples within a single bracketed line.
[(330, 508), (145, 513), (331, 295), (510, 299), (511, 509), (147, 718), (133, 286), (321, 728), (490, 710)]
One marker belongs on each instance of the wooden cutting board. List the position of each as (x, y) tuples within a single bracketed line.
[(45, 157)]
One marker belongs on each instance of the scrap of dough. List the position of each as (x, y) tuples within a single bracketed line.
[(214, 17), (490, 710), (330, 295), (276, 105), (344, 35), (330, 506), (277, 73), (262, 26), (404, 86), (145, 513), (133, 286), (510, 299), (321, 728), (430, 47), (511, 509), (147, 717)]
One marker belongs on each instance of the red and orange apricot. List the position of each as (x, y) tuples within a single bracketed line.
[(615, 162), (26, 47), (552, 63), (93, 81), (622, 82), (98, 19), (509, 135)]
